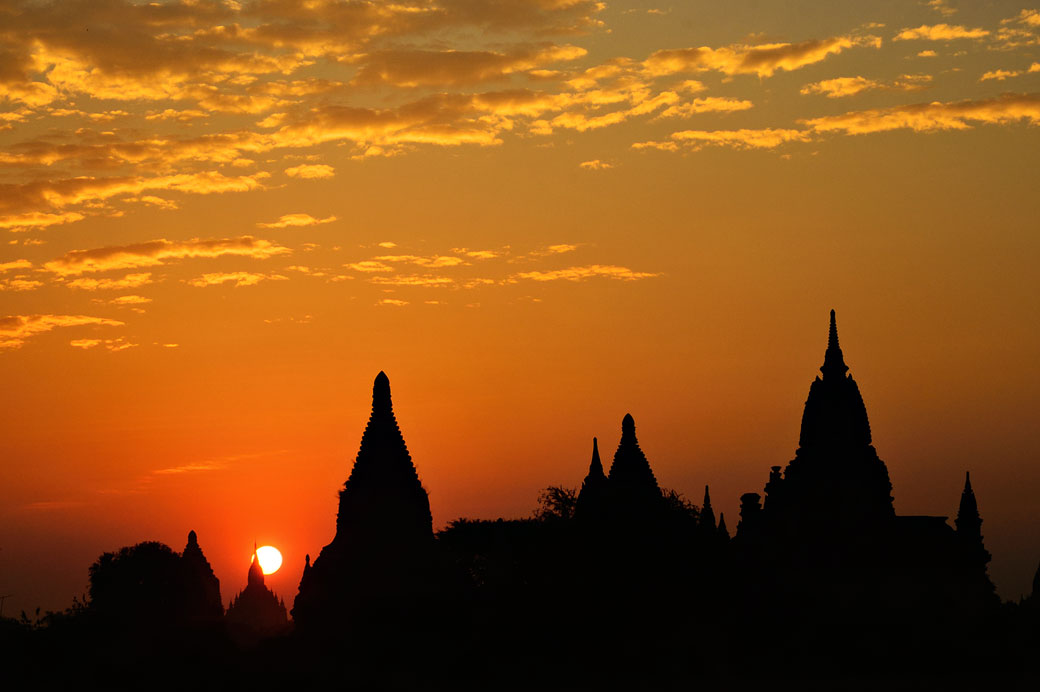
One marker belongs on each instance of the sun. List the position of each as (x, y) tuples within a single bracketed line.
[(270, 558)]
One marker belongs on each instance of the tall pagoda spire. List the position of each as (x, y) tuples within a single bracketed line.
[(833, 360), (256, 572), (594, 487), (596, 466), (834, 412), (707, 518), (969, 523)]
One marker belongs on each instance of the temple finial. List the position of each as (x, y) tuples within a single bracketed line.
[(967, 482), (596, 463), (256, 572), (628, 425), (833, 360), (381, 393)]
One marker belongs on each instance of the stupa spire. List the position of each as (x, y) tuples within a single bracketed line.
[(596, 466), (256, 573), (968, 521), (381, 402), (833, 360), (707, 518)]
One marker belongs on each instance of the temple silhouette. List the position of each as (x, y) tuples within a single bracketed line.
[(256, 611), (617, 582), (381, 560), (827, 531)]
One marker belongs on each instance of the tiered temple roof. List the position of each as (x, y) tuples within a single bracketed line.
[(631, 473), (383, 494), (204, 599), (256, 607)]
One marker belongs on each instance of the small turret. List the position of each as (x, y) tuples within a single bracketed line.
[(722, 530), (592, 496), (707, 518)]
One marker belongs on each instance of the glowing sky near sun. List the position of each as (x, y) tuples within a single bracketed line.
[(221, 219)]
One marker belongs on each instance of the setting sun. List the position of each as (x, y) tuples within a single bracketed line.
[(270, 558)]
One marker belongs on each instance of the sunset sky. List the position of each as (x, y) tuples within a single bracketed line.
[(221, 219)]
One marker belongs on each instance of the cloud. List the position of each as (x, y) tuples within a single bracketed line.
[(130, 300), (19, 283), (841, 87), (413, 280), (157, 252), (586, 272), (925, 117), (1000, 75), (1029, 18), (236, 278), (294, 220), (114, 345), (432, 262), (708, 104), (595, 165), (15, 264), (762, 60), (766, 138), (413, 68), (393, 301), (939, 32), (16, 329), (189, 468), (942, 7), (479, 254), (311, 171), (87, 189), (388, 244), (87, 283), (36, 219), (369, 266)]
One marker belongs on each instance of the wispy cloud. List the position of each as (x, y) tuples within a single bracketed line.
[(925, 117), (587, 272), (296, 220), (235, 278), (311, 171), (157, 252), (940, 32), (15, 330)]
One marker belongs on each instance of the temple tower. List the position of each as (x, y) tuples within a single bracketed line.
[(256, 610), (203, 599), (630, 474), (707, 517), (836, 476), (594, 489), (381, 554), (383, 499)]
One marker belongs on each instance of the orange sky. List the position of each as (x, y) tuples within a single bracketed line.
[(222, 219)]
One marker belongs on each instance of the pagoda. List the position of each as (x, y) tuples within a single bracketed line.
[(203, 599), (384, 529), (256, 609), (632, 481), (836, 476)]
